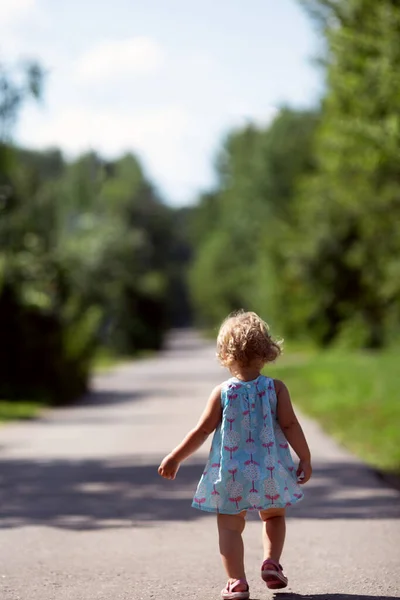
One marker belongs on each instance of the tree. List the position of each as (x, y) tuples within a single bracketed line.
[(351, 209), (14, 93), (242, 227), (87, 257)]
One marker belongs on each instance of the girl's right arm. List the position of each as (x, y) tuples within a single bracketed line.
[(293, 432), (209, 420)]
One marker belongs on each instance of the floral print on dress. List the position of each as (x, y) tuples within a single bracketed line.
[(250, 465)]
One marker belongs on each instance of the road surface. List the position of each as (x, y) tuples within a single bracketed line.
[(85, 516)]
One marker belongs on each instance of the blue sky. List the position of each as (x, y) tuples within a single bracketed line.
[(164, 78)]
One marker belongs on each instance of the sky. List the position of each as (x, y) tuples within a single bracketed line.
[(166, 79)]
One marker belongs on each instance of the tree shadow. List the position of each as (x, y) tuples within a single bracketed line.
[(97, 398), (128, 492), (93, 494), (346, 490)]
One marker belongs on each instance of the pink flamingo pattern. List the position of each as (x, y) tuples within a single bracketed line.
[(250, 465)]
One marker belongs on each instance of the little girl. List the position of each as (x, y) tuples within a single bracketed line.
[(250, 465)]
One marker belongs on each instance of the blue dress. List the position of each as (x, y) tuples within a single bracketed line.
[(250, 466)]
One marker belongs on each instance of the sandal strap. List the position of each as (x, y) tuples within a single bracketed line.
[(231, 586), (271, 561)]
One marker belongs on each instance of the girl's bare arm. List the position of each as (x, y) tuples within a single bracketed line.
[(292, 429), (209, 420)]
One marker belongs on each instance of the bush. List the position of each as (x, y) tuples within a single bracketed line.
[(40, 357)]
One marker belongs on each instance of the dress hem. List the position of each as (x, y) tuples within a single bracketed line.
[(211, 509)]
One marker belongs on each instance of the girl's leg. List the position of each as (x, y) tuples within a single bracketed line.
[(230, 529), (273, 534)]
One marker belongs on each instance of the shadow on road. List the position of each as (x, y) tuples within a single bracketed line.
[(96, 494), (289, 596), (346, 490), (110, 397)]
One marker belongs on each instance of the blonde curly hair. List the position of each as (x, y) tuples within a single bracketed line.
[(244, 338)]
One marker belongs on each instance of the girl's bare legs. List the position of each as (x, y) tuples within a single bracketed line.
[(273, 534), (230, 529)]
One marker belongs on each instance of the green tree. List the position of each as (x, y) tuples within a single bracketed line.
[(88, 256), (241, 229), (348, 258)]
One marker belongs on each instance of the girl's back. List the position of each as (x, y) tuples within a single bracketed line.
[(250, 465)]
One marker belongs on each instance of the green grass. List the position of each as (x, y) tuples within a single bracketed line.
[(10, 411), (105, 360), (22, 410), (354, 395)]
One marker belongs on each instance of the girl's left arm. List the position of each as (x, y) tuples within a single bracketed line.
[(209, 420)]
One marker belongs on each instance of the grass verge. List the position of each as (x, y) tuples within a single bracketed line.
[(354, 395), (10, 411), (23, 410), (104, 360)]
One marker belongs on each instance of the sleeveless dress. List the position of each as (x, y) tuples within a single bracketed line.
[(250, 466)]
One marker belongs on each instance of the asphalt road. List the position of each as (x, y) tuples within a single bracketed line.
[(85, 516)]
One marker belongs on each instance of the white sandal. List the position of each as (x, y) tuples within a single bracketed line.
[(228, 593)]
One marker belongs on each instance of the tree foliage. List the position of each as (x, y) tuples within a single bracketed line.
[(89, 255), (304, 222), (240, 228), (351, 264)]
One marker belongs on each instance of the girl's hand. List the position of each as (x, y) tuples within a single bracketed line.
[(195, 438), (169, 467), (304, 471)]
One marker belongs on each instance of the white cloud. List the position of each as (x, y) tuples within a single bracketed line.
[(120, 57), (77, 129), (24, 28), (13, 10), (176, 145)]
